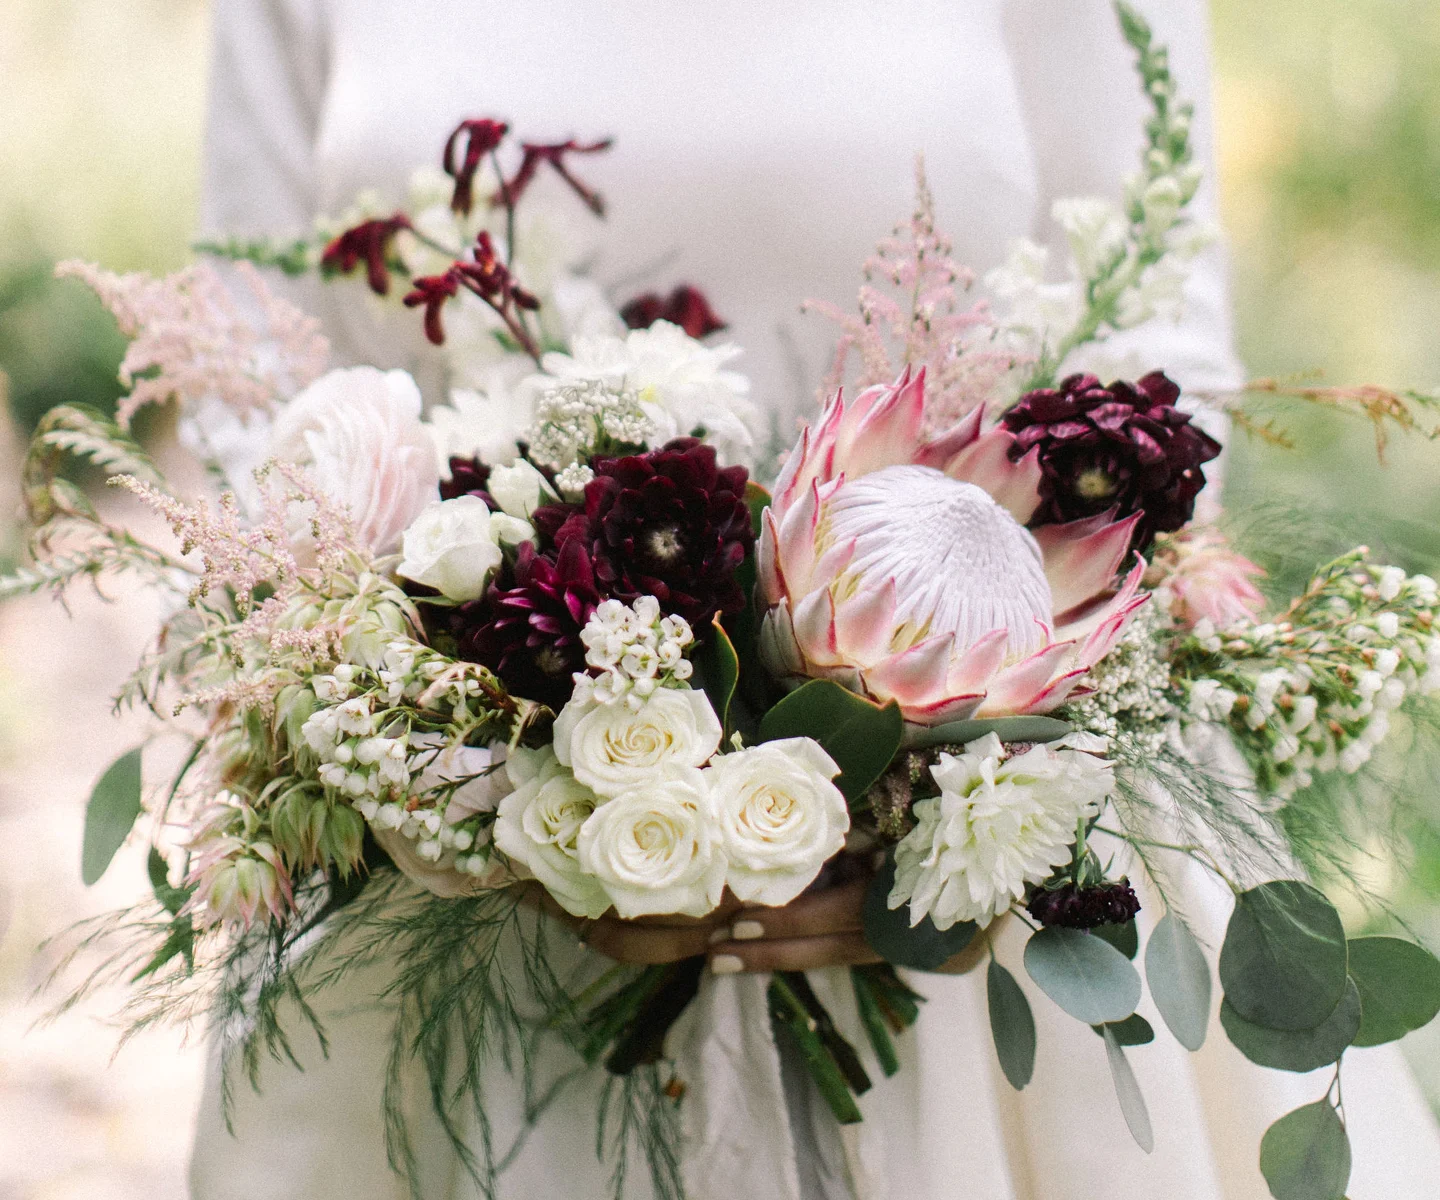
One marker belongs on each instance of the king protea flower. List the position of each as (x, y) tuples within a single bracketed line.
[(902, 568)]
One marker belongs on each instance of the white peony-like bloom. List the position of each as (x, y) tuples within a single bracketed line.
[(539, 825), (520, 489), (780, 817), (656, 848), (358, 430), (612, 747), (682, 384), (485, 421), (998, 824), (454, 546)]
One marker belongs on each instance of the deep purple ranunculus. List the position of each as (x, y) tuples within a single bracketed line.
[(1085, 908), (1120, 449)]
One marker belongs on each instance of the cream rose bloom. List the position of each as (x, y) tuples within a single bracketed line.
[(359, 433), (656, 848), (520, 489), (612, 748), (454, 546), (780, 817), (539, 826)]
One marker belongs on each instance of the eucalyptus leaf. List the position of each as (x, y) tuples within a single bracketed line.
[(860, 735), (1007, 729), (1127, 1091), (921, 947), (1179, 977), (1134, 1030), (1087, 977), (1296, 1050), (1012, 1025), (1125, 938), (1284, 959), (1305, 1155), (1399, 986), (110, 815)]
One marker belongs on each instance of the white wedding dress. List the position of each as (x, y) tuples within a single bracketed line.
[(761, 149)]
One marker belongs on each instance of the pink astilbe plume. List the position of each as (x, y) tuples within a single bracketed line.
[(192, 339), (921, 324)]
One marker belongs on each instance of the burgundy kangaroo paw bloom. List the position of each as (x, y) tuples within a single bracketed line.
[(368, 242), (554, 153), (432, 291), (482, 136), (686, 307)]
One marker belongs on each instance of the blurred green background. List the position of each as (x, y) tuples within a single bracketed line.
[(1328, 117)]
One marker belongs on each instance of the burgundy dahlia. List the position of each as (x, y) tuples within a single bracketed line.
[(669, 523), (1124, 449), (1085, 908), (527, 627), (468, 477)]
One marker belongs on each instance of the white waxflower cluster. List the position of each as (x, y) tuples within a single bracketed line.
[(1130, 701), (571, 482), (572, 419), (636, 651), (1314, 693)]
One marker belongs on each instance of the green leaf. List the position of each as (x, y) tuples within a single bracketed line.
[(1305, 1155), (1296, 1050), (719, 670), (1127, 1091), (1399, 986), (1134, 1030), (1284, 958), (872, 1016), (1087, 977), (171, 898), (110, 815), (1125, 938), (180, 940), (857, 733), (1007, 729), (757, 500), (1179, 979), (1011, 1025), (922, 947)]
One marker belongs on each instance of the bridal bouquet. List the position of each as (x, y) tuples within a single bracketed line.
[(552, 647)]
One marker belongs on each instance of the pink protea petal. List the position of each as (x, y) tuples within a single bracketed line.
[(866, 621), (952, 708), (1081, 560), (884, 426), (795, 540), (1016, 687), (986, 463), (814, 625), (777, 646), (939, 452), (973, 669), (1055, 693), (769, 574), (1115, 617), (915, 676), (833, 562)]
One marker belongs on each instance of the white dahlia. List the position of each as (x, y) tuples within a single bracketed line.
[(902, 569), (998, 825)]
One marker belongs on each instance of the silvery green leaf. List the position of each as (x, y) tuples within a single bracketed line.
[(1087, 977), (1179, 979), (1127, 1091)]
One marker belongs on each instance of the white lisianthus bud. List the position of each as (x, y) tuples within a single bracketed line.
[(781, 818), (538, 826), (519, 489), (453, 547), (656, 848), (612, 748)]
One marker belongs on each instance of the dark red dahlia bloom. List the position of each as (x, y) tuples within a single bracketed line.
[(368, 242), (468, 477), (686, 307), (527, 627), (669, 523), (1085, 908), (1122, 449)]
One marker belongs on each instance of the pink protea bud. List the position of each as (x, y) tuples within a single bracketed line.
[(1208, 580)]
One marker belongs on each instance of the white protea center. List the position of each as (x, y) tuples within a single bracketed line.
[(960, 562)]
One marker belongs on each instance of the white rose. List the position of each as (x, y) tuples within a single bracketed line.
[(656, 848), (454, 546), (612, 748), (359, 432), (780, 817), (539, 824), (520, 489)]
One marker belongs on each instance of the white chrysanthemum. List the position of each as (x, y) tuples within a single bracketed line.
[(682, 383), (998, 824), (486, 421)]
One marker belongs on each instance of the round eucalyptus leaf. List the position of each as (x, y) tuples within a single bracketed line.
[(1087, 977), (921, 947), (1134, 1030), (1305, 1155), (1296, 1050), (1179, 977), (1399, 985), (1127, 1091), (1125, 938), (110, 815), (1012, 1025), (1284, 958)]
